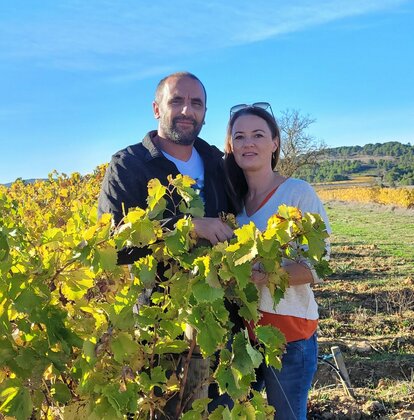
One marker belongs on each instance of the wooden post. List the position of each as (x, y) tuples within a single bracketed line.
[(198, 373), (340, 364)]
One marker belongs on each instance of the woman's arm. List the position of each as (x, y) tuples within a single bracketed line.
[(299, 273)]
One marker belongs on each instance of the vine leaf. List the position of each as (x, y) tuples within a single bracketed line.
[(156, 201), (273, 341), (15, 399), (210, 332)]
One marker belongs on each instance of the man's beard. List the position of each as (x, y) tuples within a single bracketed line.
[(184, 138)]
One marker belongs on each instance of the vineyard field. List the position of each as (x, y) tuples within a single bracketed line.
[(367, 309), (402, 197), (50, 233), (82, 337)]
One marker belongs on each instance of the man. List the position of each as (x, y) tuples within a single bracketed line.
[(180, 108)]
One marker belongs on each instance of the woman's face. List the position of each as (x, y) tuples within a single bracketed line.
[(252, 143)]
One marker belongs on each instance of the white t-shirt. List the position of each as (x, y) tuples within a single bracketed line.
[(298, 300), (193, 167)]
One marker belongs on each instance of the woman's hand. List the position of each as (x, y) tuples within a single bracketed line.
[(299, 273), (259, 276)]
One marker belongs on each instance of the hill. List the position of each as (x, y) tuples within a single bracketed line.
[(390, 163), (25, 181)]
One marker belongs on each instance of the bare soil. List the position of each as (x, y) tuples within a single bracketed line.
[(367, 309)]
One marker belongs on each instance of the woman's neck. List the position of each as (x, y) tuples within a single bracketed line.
[(259, 184), (259, 187)]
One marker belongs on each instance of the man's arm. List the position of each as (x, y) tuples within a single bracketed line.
[(120, 190)]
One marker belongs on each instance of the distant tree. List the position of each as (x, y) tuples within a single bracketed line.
[(298, 147)]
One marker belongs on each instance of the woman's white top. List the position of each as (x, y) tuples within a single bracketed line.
[(298, 300)]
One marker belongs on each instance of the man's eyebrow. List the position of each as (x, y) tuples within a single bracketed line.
[(176, 97)]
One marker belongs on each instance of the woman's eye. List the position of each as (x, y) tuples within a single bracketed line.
[(258, 136), (238, 138)]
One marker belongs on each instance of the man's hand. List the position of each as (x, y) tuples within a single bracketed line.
[(212, 229)]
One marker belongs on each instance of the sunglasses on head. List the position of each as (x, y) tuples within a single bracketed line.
[(263, 105)]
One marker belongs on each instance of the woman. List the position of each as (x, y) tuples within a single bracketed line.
[(252, 148)]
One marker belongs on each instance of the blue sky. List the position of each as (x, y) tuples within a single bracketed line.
[(77, 77)]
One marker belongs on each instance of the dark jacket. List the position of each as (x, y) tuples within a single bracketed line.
[(128, 173)]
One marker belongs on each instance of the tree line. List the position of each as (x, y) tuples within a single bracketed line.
[(390, 164)]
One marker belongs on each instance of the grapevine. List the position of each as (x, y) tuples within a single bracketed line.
[(81, 336)]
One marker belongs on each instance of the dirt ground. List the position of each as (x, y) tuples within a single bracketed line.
[(367, 310)]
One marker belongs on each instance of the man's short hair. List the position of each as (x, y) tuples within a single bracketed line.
[(178, 75)]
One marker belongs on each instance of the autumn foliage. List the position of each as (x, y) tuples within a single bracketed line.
[(403, 197), (76, 338)]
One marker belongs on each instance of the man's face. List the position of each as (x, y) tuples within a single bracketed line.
[(181, 110)]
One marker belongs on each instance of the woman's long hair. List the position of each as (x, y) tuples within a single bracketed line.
[(235, 180)]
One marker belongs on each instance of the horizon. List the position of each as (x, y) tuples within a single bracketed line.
[(30, 180), (78, 79)]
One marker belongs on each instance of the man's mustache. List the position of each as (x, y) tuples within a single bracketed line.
[(191, 120)]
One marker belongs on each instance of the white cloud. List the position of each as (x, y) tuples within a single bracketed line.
[(82, 35)]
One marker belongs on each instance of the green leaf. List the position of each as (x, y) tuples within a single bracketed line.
[(192, 415), (60, 392), (155, 200), (145, 269), (263, 410), (201, 404), (243, 250), (89, 351), (121, 401), (15, 399), (171, 328), (243, 410), (206, 269), (31, 363), (227, 382), (203, 292), (7, 352), (210, 333), (76, 283), (123, 347), (104, 409), (191, 201), (220, 413), (28, 300), (79, 410), (106, 258), (178, 241), (289, 212), (274, 343), (149, 316), (52, 235), (4, 246), (246, 358), (53, 317), (230, 381), (249, 308), (138, 230), (155, 378), (170, 346)]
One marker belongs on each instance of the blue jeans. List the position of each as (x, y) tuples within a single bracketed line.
[(287, 389)]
